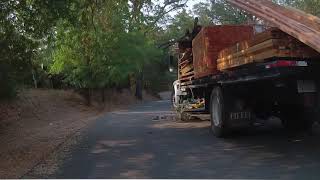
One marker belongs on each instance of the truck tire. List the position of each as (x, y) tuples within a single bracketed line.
[(219, 108), (296, 119)]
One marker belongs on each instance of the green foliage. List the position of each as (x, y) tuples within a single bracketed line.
[(15, 61), (23, 26), (157, 77), (223, 13), (203, 12), (97, 53), (310, 6), (178, 25), (8, 84), (214, 12), (98, 43)]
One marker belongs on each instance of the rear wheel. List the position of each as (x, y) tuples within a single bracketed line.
[(219, 112)]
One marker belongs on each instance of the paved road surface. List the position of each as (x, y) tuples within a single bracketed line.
[(139, 144)]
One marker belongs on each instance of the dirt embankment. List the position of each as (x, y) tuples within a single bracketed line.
[(38, 121)]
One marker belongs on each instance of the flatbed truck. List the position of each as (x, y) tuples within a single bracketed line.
[(284, 87)]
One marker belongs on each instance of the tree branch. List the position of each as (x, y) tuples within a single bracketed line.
[(163, 12)]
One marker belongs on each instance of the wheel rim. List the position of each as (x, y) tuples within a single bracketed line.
[(216, 111)]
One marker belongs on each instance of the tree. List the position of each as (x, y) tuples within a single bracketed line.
[(90, 43), (223, 13), (146, 14), (101, 50), (24, 25), (178, 25), (203, 12)]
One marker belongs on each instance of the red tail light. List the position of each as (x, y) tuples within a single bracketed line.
[(284, 63)]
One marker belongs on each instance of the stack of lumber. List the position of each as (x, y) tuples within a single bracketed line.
[(269, 44), (210, 41), (303, 26), (185, 66)]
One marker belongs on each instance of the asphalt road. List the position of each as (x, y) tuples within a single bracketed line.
[(146, 142)]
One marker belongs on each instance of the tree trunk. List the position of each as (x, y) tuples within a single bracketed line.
[(139, 86), (103, 98), (35, 83), (88, 96)]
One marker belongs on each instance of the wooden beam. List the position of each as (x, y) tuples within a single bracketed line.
[(300, 25)]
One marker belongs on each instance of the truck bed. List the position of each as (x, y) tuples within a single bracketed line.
[(273, 68)]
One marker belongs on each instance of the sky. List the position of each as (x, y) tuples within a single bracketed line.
[(193, 2)]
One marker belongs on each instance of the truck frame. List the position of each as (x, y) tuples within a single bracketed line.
[(285, 88)]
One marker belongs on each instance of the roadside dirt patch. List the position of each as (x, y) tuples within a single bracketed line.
[(38, 121)]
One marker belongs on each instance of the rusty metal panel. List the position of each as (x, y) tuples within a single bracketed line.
[(210, 41)]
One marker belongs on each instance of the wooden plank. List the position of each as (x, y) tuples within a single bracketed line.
[(298, 29), (247, 59), (184, 79), (259, 57), (284, 46), (188, 74), (210, 41), (186, 69), (272, 43), (272, 33), (250, 56), (181, 64), (186, 56), (297, 15), (186, 64)]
